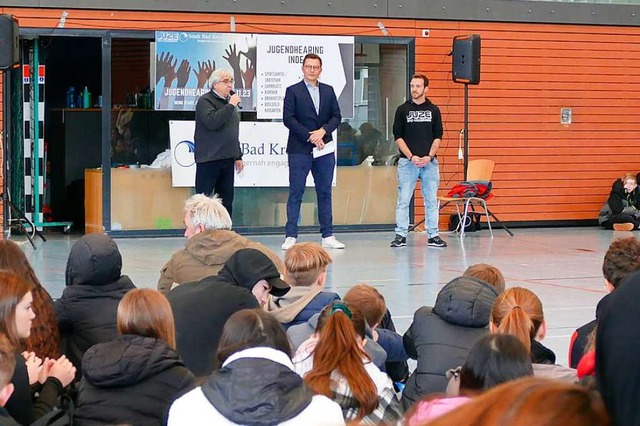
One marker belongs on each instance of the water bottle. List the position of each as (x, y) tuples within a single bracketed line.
[(71, 97), (86, 98)]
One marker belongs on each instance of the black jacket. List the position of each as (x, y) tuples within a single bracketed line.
[(580, 338), (440, 337), (217, 128), (200, 310), (21, 405), (618, 351), (6, 419), (132, 380), (86, 312), (617, 202)]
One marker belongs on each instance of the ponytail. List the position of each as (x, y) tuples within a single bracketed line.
[(518, 312), (517, 323), (338, 350)]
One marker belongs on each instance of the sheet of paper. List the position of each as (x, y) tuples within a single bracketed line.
[(328, 148)]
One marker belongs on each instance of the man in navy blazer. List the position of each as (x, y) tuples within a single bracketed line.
[(311, 113)]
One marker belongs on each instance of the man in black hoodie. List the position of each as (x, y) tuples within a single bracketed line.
[(200, 309), (417, 129)]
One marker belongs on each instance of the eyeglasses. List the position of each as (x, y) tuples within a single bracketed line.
[(227, 81), (313, 67)]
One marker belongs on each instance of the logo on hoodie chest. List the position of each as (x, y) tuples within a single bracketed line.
[(419, 117)]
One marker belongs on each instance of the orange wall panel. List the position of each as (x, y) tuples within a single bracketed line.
[(544, 170)]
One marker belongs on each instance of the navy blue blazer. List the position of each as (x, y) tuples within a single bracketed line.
[(299, 116)]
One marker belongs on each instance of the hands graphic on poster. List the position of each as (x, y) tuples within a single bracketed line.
[(249, 73), (205, 68), (183, 73), (233, 57), (166, 67)]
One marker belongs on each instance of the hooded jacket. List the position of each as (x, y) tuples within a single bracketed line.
[(440, 336), (299, 304), (204, 255), (255, 387), (618, 351), (132, 380), (201, 309), (86, 312)]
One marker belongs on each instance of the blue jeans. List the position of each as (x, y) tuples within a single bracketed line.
[(322, 170), (408, 175)]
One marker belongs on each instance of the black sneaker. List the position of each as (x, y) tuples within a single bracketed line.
[(399, 241), (436, 242)]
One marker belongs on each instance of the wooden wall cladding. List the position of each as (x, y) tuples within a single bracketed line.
[(545, 170)]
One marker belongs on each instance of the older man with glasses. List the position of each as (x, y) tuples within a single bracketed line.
[(217, 154), (311, 113)]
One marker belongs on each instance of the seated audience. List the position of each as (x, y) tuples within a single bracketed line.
[(200, 309), (44, 340), (86, 312), (49, 377), (518, 311), (621, 211), (620, 261), (342, 371), (493, 360), (440, 336), (618, 351), (7, 367), (135, 378), (211, 242), (254, 383), (305, 270), (530, 401), (487, 273)]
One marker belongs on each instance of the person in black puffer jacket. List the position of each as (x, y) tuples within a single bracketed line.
[(440, 336), (135, 378), (86, 312)]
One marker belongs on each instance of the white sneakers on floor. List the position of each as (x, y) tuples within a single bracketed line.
[(332, 243), (288, 243), (329, 242)]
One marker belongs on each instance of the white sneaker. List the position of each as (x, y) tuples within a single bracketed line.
[(288, 243), (331, 242)]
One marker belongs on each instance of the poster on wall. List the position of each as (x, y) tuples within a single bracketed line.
[(279, 65), (184, 61), (263, 152)]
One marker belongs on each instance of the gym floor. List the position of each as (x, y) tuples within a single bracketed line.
[(563, 266)]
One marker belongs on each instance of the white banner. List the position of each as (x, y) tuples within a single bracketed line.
[(279, 65), (263, 151)]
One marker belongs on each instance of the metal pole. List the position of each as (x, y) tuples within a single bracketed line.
[(6, 114), (106, 131), (466, 129)]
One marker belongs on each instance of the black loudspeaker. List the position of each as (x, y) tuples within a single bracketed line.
[(466, 59), (9, 47)]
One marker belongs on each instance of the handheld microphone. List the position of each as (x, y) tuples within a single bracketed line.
[(233, 93)]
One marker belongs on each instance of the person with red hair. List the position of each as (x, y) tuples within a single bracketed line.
[(343, 372)]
